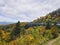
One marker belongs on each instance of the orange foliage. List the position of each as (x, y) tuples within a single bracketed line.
[(30, 28), (42, 28), (14, 42), (4, 34)]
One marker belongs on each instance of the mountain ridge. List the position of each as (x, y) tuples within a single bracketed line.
[(4, 23)]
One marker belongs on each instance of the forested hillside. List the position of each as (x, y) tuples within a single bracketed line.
[(18, 34), (53, 16)]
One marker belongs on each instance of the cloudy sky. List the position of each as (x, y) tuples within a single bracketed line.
[(26, 10)]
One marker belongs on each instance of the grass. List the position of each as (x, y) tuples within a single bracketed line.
[(57, 42)]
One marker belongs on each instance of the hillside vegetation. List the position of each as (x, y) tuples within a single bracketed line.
[(52, 16), (17, 34), (58, 40)]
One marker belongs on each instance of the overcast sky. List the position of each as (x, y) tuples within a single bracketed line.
[(26, 10)]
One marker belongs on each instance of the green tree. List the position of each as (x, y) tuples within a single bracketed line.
[(55, 31), (48, 22), (48, 25), (16, 31)]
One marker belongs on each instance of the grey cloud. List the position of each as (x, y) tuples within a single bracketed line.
[(27, 10)]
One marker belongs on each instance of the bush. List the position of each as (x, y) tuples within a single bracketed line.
[(55, 31)]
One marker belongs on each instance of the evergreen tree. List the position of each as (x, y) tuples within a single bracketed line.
[(48, 25), (48, 22), (16, 31)]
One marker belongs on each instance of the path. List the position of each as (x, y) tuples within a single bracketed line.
[(52, 41)]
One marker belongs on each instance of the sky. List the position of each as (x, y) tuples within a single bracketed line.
[(26, 10)]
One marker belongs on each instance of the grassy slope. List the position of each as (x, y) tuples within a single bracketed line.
[(57, 42)]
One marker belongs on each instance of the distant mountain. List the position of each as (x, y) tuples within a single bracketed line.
[(4, 23)]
